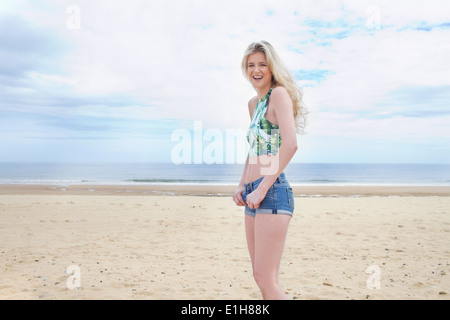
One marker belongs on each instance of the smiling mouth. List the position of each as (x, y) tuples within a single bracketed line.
[(257, 77)]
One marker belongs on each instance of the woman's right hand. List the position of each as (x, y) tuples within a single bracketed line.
[(237, 198)]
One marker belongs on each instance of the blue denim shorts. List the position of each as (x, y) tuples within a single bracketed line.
[(279, 198)]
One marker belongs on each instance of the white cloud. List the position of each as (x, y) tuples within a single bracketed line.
[(181, 60)]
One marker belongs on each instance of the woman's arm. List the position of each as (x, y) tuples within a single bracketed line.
[(240, 188)]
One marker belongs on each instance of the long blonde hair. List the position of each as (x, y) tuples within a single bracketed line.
[(280, 77)]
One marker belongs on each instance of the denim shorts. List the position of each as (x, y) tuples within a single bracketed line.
[(279, 197)]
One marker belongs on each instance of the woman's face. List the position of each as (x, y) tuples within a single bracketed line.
[(258, 71)]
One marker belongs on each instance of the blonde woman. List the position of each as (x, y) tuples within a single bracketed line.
[(276, 114)]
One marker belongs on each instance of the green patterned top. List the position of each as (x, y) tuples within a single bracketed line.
[(263, 136)]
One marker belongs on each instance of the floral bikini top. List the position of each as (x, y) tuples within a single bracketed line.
[(263, 136)]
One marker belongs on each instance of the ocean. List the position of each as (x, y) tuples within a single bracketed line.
[(337, 174)]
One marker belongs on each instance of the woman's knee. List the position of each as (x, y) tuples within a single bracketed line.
[(264, 279)]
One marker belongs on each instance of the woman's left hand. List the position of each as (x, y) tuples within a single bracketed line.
[(255, 197)]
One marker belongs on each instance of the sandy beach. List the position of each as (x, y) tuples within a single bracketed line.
[(188, 242)]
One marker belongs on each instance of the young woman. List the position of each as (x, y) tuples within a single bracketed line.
[(276, 114)]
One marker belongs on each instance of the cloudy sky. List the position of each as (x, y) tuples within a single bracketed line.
[(113, 80)]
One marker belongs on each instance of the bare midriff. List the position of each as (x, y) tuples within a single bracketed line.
[(260, 166)]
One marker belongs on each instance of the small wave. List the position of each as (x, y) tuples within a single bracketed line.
[(169, 180), (325, 181)]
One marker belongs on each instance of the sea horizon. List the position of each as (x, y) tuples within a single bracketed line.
[(159, 173)]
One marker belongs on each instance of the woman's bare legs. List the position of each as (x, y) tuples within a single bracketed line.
[(266, 236), (250, 235)]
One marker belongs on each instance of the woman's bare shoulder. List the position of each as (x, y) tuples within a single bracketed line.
[(281, 98), (280, 92)]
